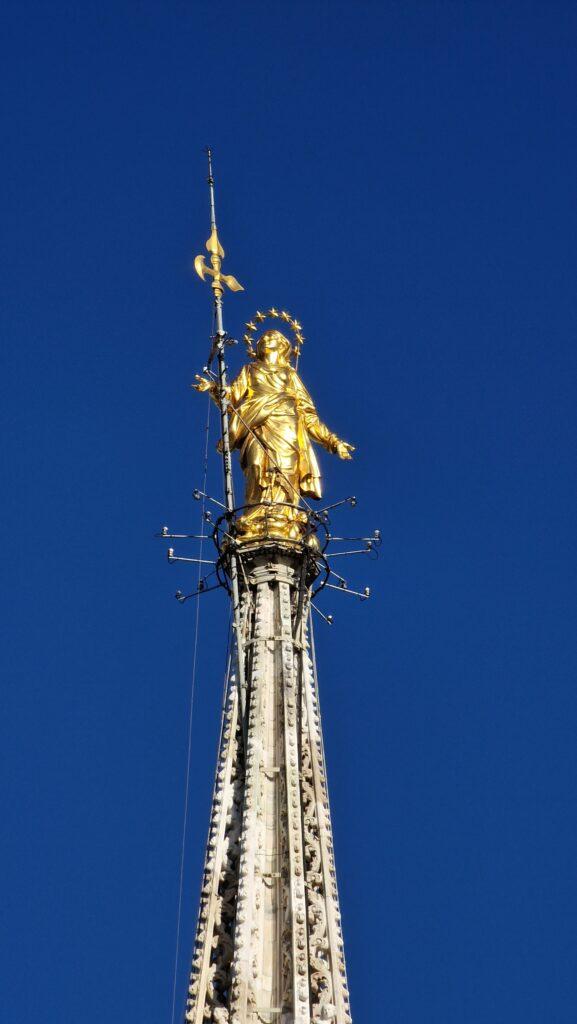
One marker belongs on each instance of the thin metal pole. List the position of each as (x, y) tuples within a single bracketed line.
[(226, 459), (210, 180)]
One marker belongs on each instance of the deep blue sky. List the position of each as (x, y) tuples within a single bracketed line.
[(403, 177)]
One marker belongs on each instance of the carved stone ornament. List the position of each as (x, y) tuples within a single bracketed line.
[(268, 943)]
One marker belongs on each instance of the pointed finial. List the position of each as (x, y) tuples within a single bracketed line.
[(214, 248)]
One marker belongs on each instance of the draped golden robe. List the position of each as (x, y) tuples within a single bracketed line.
[(272, 422)]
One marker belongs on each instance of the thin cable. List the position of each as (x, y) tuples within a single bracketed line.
[(227, 674), (225, 698), (266, 450), (329, 822), (189, 747)]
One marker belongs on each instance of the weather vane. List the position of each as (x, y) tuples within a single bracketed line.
[(215, 249)]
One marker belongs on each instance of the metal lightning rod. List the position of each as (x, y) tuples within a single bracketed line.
[(219, 280)]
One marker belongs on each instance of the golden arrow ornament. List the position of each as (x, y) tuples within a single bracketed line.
[(216, 257)]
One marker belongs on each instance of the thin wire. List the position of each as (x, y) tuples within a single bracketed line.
[(266, 450), (227, 674), (189, 747), (225, 698), (322, 738), (311, 626)]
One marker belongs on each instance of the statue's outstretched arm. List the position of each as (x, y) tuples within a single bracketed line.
[(204, 384), (314, 427), (234, 392)]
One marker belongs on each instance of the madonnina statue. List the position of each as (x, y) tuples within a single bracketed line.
[(273, 421)]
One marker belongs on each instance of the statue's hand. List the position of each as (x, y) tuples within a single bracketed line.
[(203, 384), (344, 450)]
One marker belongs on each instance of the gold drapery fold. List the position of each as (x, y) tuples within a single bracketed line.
[(272, 421)]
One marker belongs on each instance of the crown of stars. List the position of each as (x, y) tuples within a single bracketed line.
[(275, 314)]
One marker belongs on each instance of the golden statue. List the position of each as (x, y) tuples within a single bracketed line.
[(272, 422)]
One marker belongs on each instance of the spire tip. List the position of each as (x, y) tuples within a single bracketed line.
[(208, 152)]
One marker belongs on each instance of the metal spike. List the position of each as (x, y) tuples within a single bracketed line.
[(328, 618)]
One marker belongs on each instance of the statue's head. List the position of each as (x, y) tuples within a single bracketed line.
[(273, 341), (273, 349)]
